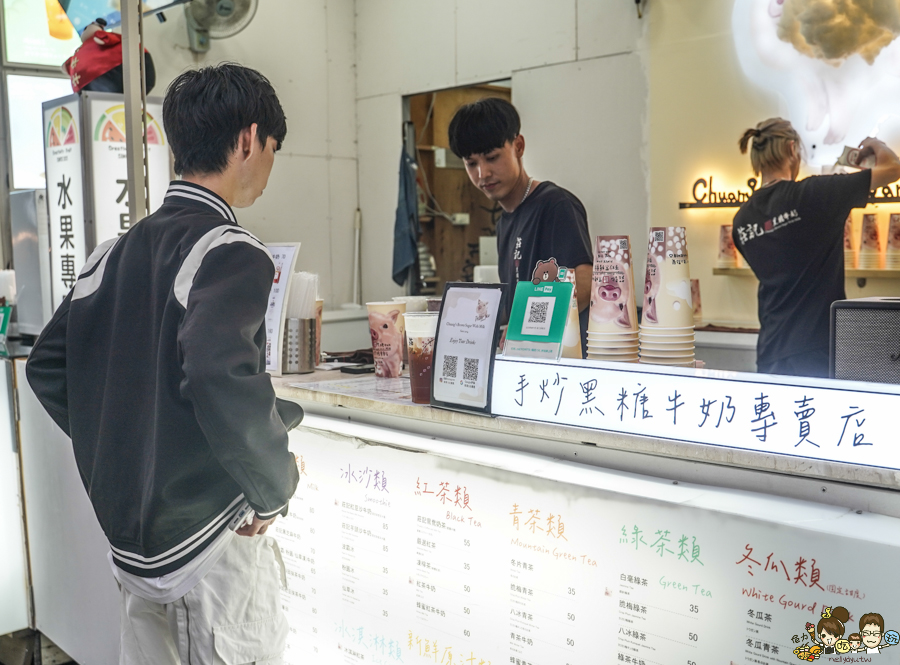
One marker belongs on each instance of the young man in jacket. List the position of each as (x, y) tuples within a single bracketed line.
[(154, 365)]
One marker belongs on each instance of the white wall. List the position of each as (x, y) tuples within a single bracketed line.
[(307, 50), (578, 80)]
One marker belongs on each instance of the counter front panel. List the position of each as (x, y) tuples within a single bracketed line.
[(403, 549)]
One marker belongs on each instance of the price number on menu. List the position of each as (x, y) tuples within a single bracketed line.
[(692, 637), (695, 609)]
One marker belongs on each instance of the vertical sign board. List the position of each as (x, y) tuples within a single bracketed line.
[(105, 122), (65, 193)]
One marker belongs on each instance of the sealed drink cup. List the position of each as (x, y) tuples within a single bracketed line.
[(386, 330), (420, 331), (413, 303)]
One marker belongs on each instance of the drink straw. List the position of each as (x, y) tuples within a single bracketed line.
[(302, 297)]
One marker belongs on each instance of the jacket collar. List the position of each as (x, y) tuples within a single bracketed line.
[(189, 190)]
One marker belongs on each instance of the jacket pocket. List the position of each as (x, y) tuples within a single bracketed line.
[(243, 643)]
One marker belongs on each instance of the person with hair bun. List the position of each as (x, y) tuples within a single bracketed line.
[(830, 628), (791, 234)]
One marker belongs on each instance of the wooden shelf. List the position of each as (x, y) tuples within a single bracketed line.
[(849, 274)]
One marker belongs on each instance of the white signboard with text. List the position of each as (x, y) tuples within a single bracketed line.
[(394, 556), (820, 419), (108, 168), (65, 193)]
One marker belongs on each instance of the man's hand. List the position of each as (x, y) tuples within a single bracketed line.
[(887, 165), (256, 528)]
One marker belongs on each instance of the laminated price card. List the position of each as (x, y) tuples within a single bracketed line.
[(537, 323), (467, 335)]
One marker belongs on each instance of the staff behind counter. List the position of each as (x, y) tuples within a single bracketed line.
[(540, 220), (791, 234)]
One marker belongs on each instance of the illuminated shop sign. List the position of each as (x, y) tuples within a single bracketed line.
[(705, 195)]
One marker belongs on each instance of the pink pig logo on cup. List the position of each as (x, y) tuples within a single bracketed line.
[(387, 333), (613, 307)]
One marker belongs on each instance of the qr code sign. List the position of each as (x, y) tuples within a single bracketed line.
[(659, 236), (538, 312), (470, 369), (538, 316), (450, 364), (623, 243)]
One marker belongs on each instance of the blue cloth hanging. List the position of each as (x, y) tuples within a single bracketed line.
[(406, 223)]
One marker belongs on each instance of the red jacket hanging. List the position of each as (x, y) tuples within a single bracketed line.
[(96, 56)]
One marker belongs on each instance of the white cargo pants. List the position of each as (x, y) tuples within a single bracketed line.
[(232, 617)]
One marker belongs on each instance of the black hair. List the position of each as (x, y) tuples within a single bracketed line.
[(482, 126), (206, 109)]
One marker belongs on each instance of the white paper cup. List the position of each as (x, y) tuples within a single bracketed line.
[(675, 340), (652, 348), (870, 244), (413, 303), (612, 352), (388, 337), (655, 353), (667, 361), (614, 359), (613, 304), (667, 282), (728, 254), (612, 345)]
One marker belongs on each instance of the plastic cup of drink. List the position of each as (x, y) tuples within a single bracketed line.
[(388, 342), (420, 331), (413, 303)]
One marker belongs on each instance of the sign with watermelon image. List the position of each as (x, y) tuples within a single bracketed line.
[(61, 129), (63, 161), (109, 170)]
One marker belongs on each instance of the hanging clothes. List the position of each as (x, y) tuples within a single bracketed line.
[(406, 223)]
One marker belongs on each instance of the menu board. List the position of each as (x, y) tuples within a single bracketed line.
[(395, 556)]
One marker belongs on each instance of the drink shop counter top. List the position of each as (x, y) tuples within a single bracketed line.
[(724, 429)]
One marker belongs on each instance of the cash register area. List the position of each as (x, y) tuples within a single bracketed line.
[(656, 503)]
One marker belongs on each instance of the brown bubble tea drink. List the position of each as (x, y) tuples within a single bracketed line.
[(420, 331)]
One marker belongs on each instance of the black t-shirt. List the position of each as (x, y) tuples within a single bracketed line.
[(550, 223), (792, 235)]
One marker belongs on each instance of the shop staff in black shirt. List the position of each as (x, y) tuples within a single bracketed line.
[(540, 221), (791, 234)]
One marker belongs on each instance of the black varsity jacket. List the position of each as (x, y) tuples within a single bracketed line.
[(154, 365)]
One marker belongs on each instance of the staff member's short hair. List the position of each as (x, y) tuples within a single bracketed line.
[(482, 126), (206, 109)]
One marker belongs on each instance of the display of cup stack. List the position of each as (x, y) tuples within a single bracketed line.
[(612, 326), (667, 326), (870, 244), (850, 259), (300, 329), (892, 257)]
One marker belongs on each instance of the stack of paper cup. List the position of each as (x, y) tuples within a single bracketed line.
[(850, 258), (667, 327), (870, 245), (892, 258), (728, 254), (612, 325)]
